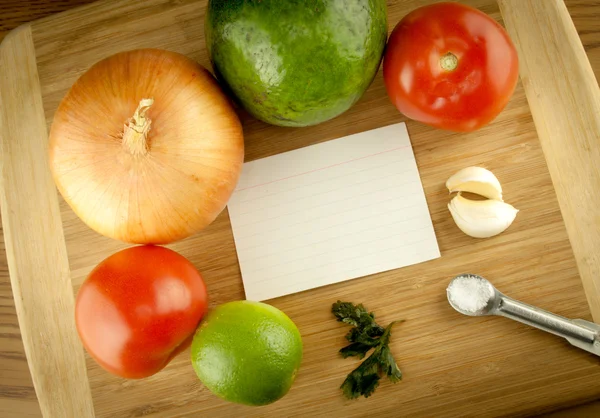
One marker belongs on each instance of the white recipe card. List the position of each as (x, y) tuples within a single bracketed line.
[(330, 212)]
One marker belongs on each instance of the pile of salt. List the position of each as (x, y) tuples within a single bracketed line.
[(469, 293)]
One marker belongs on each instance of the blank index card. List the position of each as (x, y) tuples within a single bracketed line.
[(330, 212)]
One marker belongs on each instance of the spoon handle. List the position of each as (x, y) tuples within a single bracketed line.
[(580, 333)]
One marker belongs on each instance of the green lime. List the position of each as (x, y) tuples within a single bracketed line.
[(247, 352)]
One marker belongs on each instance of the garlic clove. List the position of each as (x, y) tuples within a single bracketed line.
[(481, 218), (476, 180)]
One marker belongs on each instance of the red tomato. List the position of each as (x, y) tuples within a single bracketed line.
[(450, 66), (138, 309)]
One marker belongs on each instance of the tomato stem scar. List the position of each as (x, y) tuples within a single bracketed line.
[(449, 61)]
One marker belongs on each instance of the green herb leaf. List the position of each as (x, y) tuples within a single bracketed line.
[(363, 380), (386, 360), (352, 315), (388, 365), (355, 349), (364, 335)]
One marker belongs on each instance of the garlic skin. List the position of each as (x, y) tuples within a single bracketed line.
[(481, 218), (477, 180)]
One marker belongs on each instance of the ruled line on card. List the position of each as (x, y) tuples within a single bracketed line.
[(320, 169)]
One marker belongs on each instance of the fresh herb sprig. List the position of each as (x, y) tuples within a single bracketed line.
[(365, 335)]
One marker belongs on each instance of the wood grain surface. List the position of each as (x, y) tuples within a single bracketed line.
[(453, 365), (45, 305), (566, 112)]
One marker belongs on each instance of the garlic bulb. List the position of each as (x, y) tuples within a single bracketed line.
[(476, 180), (481, 218)]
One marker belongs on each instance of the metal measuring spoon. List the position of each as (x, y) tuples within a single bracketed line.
[(490, 301)]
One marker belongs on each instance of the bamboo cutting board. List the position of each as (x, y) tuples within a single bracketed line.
[(453, 365)]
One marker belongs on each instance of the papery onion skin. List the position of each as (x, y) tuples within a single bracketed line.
[(156, 192)]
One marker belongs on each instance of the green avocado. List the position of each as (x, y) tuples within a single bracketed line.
[(296, 62)]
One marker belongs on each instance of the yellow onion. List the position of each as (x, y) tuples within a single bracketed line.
[(146, 148)]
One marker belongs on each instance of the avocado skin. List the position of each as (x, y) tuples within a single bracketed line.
[(296, 62)]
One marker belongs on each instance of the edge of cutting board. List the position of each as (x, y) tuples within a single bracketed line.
[(564, 99), (35, 243)]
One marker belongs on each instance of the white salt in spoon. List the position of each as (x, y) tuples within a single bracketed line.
[(473, 295)]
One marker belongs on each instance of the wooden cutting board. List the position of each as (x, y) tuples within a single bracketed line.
[(453, 365)]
